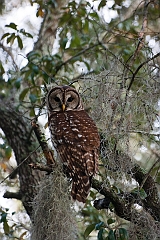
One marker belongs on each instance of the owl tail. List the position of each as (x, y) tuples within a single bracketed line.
[(80, 187)]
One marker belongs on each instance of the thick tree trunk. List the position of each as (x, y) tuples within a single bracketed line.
[(48, 29), (20, 136), (17, 128)]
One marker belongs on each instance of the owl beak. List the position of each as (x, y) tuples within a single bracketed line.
[(63, 107)]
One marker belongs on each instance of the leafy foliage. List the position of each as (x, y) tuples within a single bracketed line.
[(15, 35)]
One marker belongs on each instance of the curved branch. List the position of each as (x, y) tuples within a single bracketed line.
[(123, 202), (122, 207)]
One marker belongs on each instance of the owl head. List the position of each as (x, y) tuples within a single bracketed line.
[(64, 98)]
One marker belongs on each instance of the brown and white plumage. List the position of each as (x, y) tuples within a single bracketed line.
[(75, 137)]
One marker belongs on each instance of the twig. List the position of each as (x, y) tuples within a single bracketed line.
[(76, 55), (16, 195), (142, 32), (41, 167), (19, 165), (139, 67)]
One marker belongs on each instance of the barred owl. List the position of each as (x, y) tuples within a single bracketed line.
[(75, 138)]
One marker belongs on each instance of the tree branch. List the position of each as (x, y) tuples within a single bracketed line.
[(43, 143), (8, 51), (16, 195), (48, 29), (42, 167), (122, 207)]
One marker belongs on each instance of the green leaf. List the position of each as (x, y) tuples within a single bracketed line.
[(23, 94), (111, 235), (35, 68), (94, 15), (11, 38), (3, 217), (99, 225), (6, 227), (110, 221), (2, 71), (123, 235), (75, 42), (92, 193), (12, 25), (32, 113), (28, 35), (65, 18), (135, 191), (8, 152), (89, 229), (87, 65), (33, 55), (140, 192), (25, 33), (33, 98), (100, 234), (102, 4), (18, 82), (116, 189), (118, 2), (86, 26), (5, 35), (63, 43), (20, 43)]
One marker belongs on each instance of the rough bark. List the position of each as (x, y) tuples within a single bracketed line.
[(17, 128), (48, 29), (22, 140)]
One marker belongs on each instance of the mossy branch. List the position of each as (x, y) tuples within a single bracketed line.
[(43, 143)]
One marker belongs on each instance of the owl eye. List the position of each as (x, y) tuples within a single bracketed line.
[(57, 99), (70, 99)]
